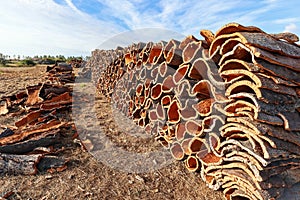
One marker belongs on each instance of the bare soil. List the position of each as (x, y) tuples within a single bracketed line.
[(86, 178)]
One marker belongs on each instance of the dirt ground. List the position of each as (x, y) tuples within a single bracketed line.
[(86, 178)]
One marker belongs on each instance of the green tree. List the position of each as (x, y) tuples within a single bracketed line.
[(61, 57), (26, 62), (2, 59)]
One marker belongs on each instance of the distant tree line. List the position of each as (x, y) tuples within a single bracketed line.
[(38, 59)]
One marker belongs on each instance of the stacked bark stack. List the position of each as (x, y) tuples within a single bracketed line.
[(227, 105), (263, 116), (26, 147)]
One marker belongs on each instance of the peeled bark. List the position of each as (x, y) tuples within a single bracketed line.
[(227, 106), (22, 146), (19, 164)]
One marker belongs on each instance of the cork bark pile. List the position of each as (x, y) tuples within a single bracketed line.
[(42, 113), (227, 105)]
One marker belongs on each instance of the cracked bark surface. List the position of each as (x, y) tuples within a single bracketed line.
[(228, 106)]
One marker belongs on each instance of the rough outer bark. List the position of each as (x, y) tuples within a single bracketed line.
[(18, 164)]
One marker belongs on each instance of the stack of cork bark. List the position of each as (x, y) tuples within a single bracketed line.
[(42, 114), (228, 106)]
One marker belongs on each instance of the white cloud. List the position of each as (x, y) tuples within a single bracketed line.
[(131, 13), (29, 27), (286, 20), (140, 35), (292, 28), (43, 27), (188, 17), (73, 7)]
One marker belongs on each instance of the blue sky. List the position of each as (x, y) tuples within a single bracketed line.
[(76, 27)]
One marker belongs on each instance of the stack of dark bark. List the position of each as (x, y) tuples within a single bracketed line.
[(42, 113), (228, 106)]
